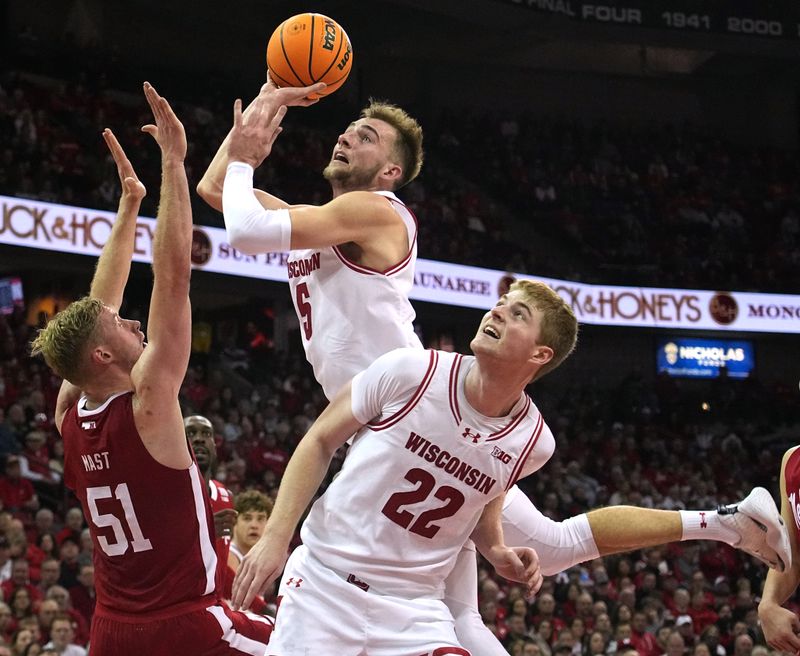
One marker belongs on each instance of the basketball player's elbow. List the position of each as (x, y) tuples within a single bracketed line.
[(241, 241), (210, 192)]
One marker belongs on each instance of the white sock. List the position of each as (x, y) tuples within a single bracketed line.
[(705, 525)]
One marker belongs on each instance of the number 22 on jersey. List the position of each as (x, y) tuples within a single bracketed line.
[(110, 520), (423, 524)]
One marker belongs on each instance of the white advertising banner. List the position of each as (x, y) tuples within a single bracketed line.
[(66, 229)]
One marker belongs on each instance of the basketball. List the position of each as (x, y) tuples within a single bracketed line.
[(309, 48)]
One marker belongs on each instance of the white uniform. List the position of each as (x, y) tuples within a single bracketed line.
[(351, 315), (338, 302), (412, 489)]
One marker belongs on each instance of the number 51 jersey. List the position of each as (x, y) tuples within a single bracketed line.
[(151, 525), (419, 473)]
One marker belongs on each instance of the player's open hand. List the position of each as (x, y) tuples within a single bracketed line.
[(252, 137), (168, 130), (132, 187), (781, 628), (520, 564), (260, 567), (290, 96)]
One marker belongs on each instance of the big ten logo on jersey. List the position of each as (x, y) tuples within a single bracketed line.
[(501, 455), (95, 461)]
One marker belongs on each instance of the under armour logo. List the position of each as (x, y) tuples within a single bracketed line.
[(468, 433), (295, 582), (703, 522), (88, 425)]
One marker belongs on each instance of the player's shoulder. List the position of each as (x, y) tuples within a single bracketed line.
[(789, 453), (407, 360)]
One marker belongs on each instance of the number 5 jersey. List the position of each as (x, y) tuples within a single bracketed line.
[(419, 473), (151, 525), (337, 301)]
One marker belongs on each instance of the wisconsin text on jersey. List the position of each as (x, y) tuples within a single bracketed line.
[(303, 267), (442, 459)]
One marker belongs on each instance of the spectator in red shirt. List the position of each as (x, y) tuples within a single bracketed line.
[(17, 493), (68, 554), (73, 525), (48, 609), (61, 596), (83, 594), (266, 455), (49, 572), (644, 642), (20, 578)]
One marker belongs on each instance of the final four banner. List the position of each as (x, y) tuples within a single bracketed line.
[(76, 230)]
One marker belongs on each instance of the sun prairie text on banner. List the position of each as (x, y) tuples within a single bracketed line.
[(35, 224)]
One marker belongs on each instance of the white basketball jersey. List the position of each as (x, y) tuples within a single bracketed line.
[(419, 473), (350, 314)]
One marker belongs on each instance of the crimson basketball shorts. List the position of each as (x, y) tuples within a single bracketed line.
[(327, 612), (213, 631)]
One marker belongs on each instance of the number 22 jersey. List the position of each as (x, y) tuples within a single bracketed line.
[(151, 525), (419, 473)]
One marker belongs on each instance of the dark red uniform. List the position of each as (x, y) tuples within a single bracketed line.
[(792, 475), (221, 499), (154, 556)]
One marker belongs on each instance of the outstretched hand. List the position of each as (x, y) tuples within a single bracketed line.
[(255, 130), (260, 567), (168, 130), (132, 187)]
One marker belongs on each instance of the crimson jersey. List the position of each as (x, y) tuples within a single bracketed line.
[(151, 525), (792, 475), (221, 499)]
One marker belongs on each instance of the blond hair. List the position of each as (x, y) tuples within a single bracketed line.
[(559, 327), (408, 144), (64, 339)]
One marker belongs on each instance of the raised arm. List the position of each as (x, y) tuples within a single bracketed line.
[(519, 564), (781, 626), (303, 476), (210, 186), (158, 374), (114, 264)]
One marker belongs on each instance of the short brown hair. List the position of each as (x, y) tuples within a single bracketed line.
[(253, 501), (408, 145), (64, 339), (559, 327)]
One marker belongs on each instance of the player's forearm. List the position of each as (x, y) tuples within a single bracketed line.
[(172, 242), (114, 263), (488, 533), (779, 586), (251, 228), (301, 480), (210, 186)]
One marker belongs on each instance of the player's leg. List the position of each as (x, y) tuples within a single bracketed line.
[(461, 597), (559, 545), (753, 525), (317, 607), (238, 633), (411, 627)]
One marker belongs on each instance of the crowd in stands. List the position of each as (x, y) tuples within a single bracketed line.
[(668, 206), (663, 205), (644, 443)]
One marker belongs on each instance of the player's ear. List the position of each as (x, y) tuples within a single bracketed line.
[(392, 172), (541, 355)]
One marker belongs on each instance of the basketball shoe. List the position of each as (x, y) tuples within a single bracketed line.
[(760, 527)]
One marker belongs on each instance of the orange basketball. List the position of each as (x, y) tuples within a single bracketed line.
[(309, 48)]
